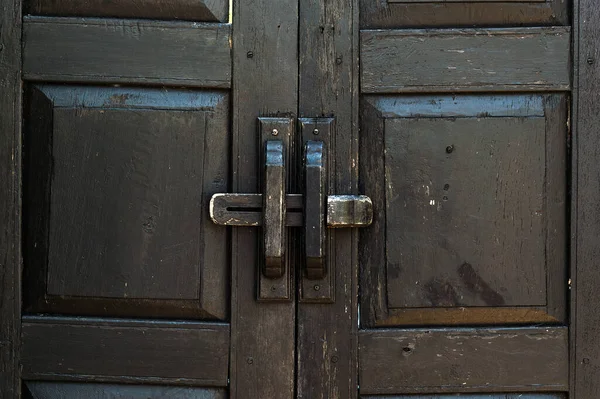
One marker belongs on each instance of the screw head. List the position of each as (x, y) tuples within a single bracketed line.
[(273, 288), (316, 132), (590, 60), (334, 359), (249, 54), (249, 360), (338, 60), (317, 287), (275, 132), (449, 149)]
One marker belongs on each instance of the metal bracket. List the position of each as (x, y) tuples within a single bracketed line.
[(246, 210)]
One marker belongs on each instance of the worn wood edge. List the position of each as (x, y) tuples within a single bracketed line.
[(97, 390), (371, 89), (32, 324), (30, 73), (206, 11), (144, 23), (467, 316), (373, 305), (555, 205), (535, 333), (390, 16), (468, 32), (573, 208), (10, 198)]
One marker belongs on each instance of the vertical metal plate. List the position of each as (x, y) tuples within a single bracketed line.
[(279, 288), (320, 290)]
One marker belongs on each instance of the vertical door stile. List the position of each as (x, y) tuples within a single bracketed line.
[(326, 346), (265, 83), (585, 213), (10, 198)]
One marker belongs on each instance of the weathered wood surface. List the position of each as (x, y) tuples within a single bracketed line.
[(585, 314), (265, 83), (465, 360), (77, 390), (127, 51), (398, 61), (191, 10), (10, 197), (115, 207), (393, 277), (462, 13), (475, 396), (122, 350), (328, 88)]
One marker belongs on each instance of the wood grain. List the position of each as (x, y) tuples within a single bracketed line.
[(128, 51), (465, 360), (446, 247), (585, 317), (475, 396), (399, 61), (390, 295), (191, 10), (328, 88), (377, 14), (265, 83), (75, 390), (122, 350), (10, 197), (111, 198)]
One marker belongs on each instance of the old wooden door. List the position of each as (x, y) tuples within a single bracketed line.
[(132, 120), (464, 110), (149, 126)]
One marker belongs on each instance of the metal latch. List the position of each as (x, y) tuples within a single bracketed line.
[(275, 210)]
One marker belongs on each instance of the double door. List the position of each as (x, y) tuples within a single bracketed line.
[(312, 199)]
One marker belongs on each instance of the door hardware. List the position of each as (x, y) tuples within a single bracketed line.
[(316, 211)]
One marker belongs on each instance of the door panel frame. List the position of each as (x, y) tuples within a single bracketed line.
[(585, 212), (265, 84), (10, 197)]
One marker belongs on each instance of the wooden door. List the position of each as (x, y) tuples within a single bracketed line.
[(464, 137), (133, 117), (458, 119)]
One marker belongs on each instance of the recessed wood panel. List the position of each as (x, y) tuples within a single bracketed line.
[(462, 13), (394, 61), (465, 212), (191, 10), (122, 350), (127, 51), (74, 390), (463, 360), (117, 194), (469, 198)]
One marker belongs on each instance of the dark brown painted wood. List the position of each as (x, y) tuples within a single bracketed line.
[(465, 360), (517, 59), (462, 13), (484, 396), (122, 350), (116, 201), (191, 10), (585, 316), (127, 51), (328, 87), (414, 231), (265, 70), (76, 390), (10, 197)]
